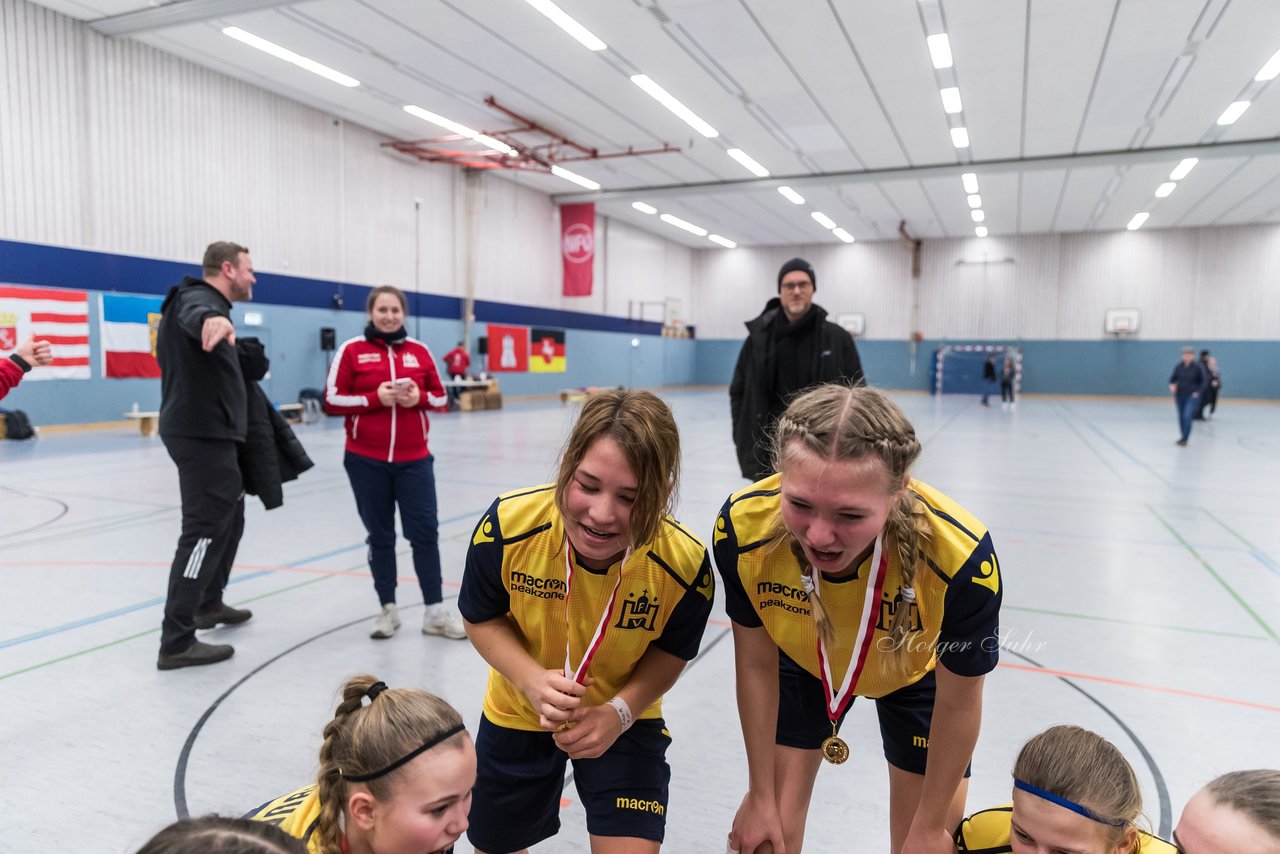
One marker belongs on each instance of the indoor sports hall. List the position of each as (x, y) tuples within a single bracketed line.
[(592, 195)]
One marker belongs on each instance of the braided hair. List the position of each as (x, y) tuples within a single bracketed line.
[(842, 423), (361, 739)]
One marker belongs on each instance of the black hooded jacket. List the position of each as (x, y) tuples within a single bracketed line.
[(202, 395), (808, 353)]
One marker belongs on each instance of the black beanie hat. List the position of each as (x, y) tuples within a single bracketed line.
[(797, 264)]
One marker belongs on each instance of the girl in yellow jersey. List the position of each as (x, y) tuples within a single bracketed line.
[(587, 599), (844, 577), (396, 771), (1072, 791)]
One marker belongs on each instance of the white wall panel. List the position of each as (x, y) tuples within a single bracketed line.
[(1205, 283), (110, 144)]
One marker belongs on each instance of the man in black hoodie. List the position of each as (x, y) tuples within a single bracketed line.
[(789, 347), (203, 417)]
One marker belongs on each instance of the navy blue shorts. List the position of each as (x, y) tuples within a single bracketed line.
[(905, 716), (520, 778)]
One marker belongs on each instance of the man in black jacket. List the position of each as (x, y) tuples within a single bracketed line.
[(789, 347), (1187, 383), (203, 417)]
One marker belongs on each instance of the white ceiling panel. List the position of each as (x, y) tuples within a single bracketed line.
[(837, 93), (1039, 196)]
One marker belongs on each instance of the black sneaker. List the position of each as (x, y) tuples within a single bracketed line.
[(195, 655), (226, 615)]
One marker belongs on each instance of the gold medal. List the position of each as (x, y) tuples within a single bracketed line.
[(834, 750)]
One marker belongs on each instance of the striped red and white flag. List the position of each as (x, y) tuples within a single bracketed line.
[(56, 315)]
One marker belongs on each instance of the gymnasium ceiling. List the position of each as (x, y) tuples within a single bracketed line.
[(1076, 110)]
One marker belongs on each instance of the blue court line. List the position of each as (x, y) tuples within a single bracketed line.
[(98, 618), (151, 603), (1265, 561)]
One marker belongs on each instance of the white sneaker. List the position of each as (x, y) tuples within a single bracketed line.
[(439, 620), (386, 623)]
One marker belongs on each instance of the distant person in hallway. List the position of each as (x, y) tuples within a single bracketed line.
[(203, 423), (1007, 376), (29, 354), (384, 382), (790, 347), (456, 362), (988, 378), (1209, 402), (1187, 384)]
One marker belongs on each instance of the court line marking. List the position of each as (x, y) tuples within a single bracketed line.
[(296, 566), (1124, 683), (1090, 446), (1162, 790), (1258, 554), (1225, 586)]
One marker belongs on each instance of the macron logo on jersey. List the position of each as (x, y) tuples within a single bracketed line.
[(989, 575), (484, 532)]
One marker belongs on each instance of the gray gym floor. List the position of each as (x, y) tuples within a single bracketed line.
[(1142, 601)]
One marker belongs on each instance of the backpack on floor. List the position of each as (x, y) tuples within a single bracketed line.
[(17, 425)]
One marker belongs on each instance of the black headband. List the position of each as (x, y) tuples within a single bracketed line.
[(427, 745)]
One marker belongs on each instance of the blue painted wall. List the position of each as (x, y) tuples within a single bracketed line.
[(1250, 369), (601, 350)]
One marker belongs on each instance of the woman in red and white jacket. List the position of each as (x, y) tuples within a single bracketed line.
[(384, 382)]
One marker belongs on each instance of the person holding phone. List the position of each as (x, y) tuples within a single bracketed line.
[(384, 382)]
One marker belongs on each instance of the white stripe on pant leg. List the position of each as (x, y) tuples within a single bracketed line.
[(197, 558)]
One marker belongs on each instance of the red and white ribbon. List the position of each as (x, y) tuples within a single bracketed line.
[(580, 673), (839, 701)]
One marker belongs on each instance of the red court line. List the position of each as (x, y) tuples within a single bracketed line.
[(1126, 684)]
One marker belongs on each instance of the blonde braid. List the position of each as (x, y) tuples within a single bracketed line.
[(332, 789), (818, 610), (908, 530)]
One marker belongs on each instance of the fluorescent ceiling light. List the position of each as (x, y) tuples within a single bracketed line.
[(823, 220), (1233, 112), (791, 195), (746, 160), (1183, 169), (978, 216), (1137, 221), (289, 56), (951, 99), (666, 99), (960, 137), (975, 201), (1271, 69), (561, 172), (687, 226), (940, 50), (562, 20), (981, 231), (643, 208), (1165, 189), (723, 241), (970, 182), (459, 129), (842, 234)]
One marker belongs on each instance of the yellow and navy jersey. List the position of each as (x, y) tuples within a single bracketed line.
[(516, 568), (955, 617), (295, 813), (988, 831)]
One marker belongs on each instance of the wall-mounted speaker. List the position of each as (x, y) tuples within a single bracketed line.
[(482, 346), (328, 338)]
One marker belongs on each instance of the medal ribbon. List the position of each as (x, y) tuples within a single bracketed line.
[(839, 701), (580, 674)]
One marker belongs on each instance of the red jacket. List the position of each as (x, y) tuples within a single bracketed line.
[(10, 375), (457, 361), (392, 433)]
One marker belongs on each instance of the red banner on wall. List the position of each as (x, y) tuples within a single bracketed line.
[(508, 348), (578, 247)]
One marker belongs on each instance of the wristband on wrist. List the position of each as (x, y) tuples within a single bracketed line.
[(624, 712), (20, 362)]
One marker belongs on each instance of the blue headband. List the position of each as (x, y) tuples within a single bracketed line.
[(1066, 804)]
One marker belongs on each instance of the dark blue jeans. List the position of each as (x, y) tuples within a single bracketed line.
[(1187, 407), (379, 486)]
